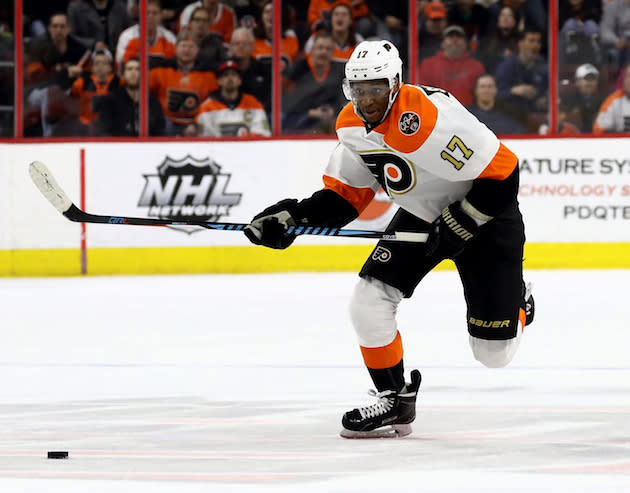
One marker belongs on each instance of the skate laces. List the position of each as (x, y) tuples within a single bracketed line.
[(383, 404)]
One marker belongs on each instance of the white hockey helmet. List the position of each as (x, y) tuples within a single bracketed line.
[(374, 60)]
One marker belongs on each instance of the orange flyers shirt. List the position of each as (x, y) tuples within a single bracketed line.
[(614, 114), (88, 89), (223, 24), (317, 7), (181, 93), (289, 48), (425, 154), (129, 42), (340, 54)]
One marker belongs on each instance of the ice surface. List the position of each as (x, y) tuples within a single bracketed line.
[(237, 383)]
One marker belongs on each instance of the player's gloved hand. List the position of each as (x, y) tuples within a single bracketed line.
[(269, 227), (451, 232)]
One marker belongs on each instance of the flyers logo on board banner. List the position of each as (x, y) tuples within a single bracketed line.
[(188, 188)]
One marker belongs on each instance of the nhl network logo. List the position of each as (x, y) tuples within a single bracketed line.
[(188, 189)]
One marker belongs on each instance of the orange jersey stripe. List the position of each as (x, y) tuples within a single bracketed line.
[(358, 197), (521, 318), (383, 357), (409, 97), (604, 107), (348, 118), (502, 164)]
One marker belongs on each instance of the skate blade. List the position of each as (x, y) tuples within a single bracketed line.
[(394, 431)]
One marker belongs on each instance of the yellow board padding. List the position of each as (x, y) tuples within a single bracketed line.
[(34, 263), (250, 259)]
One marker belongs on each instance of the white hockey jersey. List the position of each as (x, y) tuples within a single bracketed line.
[(425, 154), (219, 119)]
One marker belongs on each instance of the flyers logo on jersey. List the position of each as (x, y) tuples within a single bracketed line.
[(381, 254), (409, 123), (179, 101)]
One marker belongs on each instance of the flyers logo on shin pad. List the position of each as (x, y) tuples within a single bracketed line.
[(381, 254)]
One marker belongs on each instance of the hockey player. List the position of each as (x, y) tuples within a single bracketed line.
[(452, 178)]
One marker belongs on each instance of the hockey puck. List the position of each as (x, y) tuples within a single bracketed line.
[(58, 455)]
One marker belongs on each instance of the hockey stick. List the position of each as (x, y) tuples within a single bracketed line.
[(46, 183)]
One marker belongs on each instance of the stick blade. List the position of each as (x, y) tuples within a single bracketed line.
[(45, 181)]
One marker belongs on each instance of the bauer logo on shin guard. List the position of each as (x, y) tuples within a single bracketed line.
[(381, 254)]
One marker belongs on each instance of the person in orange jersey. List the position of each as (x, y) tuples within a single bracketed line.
[(181, 84), (161, 40), (453, 180), (342, 31), (319, 11), (289, 45), (222, 18), (91, 87), (229, 112)]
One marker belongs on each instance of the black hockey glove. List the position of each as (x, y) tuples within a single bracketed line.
[(451, 232), (269, 227)]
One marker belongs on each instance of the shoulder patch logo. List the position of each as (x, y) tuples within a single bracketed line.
[(409, 123)]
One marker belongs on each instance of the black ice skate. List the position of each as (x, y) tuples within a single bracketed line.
[(388, 418), (529, 303)]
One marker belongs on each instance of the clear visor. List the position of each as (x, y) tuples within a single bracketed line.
[(365, 89)]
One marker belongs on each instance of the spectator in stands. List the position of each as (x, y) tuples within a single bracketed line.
[(487, 111), (263, 33), (390, 19), (229, 112), (319, 15), (58, 55), (472, 17), (222, 18), (7, 79), (247, 13), (532, 14), (342, 31), (523, 78), (91, 87), (212, 51), (503, 43), (430, 35), (615, 30), (579, 40), (582, 105), (99, 22), (119, 114), (313, 99), (256, 75), (614, 114), (181, 84), (579, 16), (161, 40), (52, 63), (452, 68)]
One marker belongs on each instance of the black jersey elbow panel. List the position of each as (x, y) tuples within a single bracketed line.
[(327, 208), (492, 197)]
